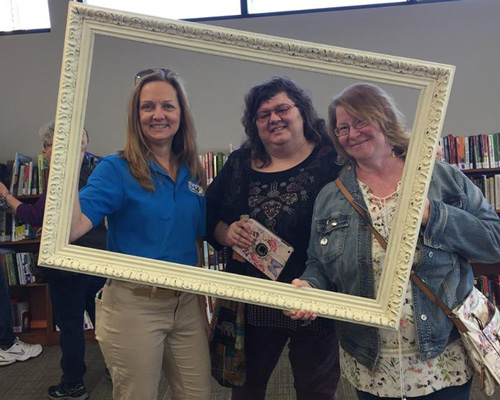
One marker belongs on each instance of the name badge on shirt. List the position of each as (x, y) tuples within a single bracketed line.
[(195, 188)]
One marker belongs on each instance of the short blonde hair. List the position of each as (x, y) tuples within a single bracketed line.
[(370, 103)]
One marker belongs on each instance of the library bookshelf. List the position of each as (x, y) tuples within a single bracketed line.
[(42, 327), (484, 178), (486, 173), (36, 294)]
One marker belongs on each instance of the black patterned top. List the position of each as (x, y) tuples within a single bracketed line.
[(281, 201)]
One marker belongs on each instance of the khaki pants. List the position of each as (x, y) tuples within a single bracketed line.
[(141, 336)]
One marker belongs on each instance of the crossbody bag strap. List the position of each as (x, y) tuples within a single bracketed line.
[(424, 288), (349, 197), (459, 324)]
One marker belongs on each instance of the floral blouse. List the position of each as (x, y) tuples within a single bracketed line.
[(399, 370)]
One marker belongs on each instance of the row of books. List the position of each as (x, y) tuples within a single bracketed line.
[(490, 286), (18, 267), (472, 152), (490, 186), (27, 177), (213, 162), (213, 259), (13, 229)]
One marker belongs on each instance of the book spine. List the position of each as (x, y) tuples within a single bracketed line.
[(451, 141), (467, 152), (497, 192), (486, 161)]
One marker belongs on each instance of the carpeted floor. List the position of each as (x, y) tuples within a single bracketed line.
[(29, 380)]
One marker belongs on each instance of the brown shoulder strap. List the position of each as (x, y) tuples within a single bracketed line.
[(459, 324), (424, 288), (349, 197)]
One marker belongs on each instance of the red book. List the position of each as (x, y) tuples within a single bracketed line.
[(453, 153)]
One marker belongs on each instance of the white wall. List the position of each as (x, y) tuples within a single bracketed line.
[(463, 33)]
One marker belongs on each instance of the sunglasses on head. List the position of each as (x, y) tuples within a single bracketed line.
[(164, 72)]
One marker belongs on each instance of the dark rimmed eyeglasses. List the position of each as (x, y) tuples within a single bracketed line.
[(164, 72), (46, 145), (344, 130), (280, 110)]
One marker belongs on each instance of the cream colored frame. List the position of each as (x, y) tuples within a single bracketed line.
[(85, 23)]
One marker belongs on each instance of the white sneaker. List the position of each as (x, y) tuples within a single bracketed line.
[(6, 358), (21, 351)]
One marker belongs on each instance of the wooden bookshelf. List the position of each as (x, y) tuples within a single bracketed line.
[(488, 172), (38, 297), (486, 269), (23, 243), (478, 268), (42, 326)]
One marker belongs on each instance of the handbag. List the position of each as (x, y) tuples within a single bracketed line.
[(227, 340), (476, 318), (478, 321)]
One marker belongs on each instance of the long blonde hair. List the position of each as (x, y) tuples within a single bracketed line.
[(370, 103), (184, 146)]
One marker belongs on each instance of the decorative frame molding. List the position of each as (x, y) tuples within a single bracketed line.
[(85, 23)]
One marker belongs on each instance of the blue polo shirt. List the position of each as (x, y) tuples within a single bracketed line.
[(162, 225)]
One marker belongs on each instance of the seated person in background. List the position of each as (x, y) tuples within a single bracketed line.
[(153, 196), (72, 294), (426, 357), (275, 177)]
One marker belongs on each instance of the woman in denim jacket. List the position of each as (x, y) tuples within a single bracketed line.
[(424, 359)]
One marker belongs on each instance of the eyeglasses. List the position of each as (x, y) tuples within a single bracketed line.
[(46, 145), (164, 72), (344, 130), (280, 110)]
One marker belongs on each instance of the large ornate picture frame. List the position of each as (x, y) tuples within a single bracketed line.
[(85, 24)]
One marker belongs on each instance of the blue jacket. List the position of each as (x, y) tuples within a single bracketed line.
[(462, 226)]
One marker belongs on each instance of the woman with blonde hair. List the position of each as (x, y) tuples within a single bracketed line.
[(152, 194), (425, 358)]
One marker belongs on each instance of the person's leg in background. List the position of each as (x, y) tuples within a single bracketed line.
[(314, 356), (263, 348), (67, 291), (94, 284), (11, 348)]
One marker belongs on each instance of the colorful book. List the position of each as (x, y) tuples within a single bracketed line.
[(19, 159)]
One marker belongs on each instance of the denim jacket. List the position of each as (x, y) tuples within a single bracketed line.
[(462, 226)]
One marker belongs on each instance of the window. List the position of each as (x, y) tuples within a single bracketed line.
[(20, 16), (183, 9), (211, 9), (267, 6)]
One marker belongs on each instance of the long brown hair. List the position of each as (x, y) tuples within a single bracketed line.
[(184, 146), (370, 103)]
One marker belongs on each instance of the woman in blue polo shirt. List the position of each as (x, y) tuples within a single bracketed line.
[(152, 194)]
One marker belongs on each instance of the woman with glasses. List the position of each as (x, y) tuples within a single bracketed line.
[(274, 178), (425, 358), (152, 194)]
